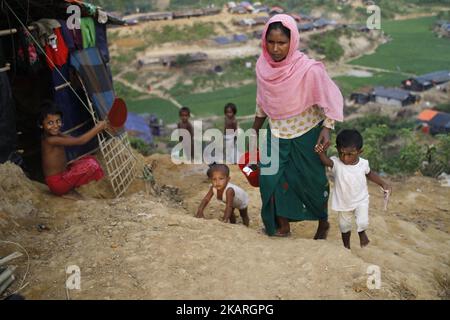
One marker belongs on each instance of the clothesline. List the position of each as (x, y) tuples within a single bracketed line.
[(13, 30)]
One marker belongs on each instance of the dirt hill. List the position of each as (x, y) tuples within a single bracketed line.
[(148, 246)]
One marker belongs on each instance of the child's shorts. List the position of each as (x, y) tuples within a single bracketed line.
[(361, 214), (78, 173)]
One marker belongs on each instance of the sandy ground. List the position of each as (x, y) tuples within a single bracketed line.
[(149, 246)]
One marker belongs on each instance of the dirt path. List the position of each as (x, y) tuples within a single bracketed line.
[(155, 92), (365, 68)]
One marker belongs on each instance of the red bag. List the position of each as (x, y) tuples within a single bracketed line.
[(250, 170)]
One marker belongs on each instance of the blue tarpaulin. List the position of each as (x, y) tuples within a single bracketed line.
[(138, 126), (240, 38), (222, 40), (440, 123)]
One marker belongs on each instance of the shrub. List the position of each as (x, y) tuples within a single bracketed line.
[(140, 145), (328, 45)]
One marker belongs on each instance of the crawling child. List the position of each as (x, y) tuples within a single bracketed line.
[(223, 190)]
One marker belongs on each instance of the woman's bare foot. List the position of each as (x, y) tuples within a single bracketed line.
[(283, 225), (363, 239), (346, 239), (322, 230)]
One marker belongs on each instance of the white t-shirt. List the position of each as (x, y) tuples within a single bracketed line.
[(240, 200), (350, 184)]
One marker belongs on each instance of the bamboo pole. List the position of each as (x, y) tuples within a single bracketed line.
[(7, 283), (7, 273)]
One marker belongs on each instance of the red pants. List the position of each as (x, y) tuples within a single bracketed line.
[(77, 174)]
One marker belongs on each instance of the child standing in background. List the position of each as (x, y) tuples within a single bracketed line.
[(230, 132), (184, 123)]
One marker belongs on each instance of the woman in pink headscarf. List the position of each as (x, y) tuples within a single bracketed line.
[(301, 103)]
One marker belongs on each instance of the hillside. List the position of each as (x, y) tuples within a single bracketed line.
[(148, 246)]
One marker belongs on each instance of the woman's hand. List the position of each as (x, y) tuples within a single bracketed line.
[(323, 142)]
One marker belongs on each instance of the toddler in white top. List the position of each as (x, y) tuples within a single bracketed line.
[(350, 196), (221, 189)]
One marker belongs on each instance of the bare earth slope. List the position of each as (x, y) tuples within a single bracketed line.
[(143, 246)]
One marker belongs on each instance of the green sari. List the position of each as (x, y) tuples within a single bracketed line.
[(299, 190)]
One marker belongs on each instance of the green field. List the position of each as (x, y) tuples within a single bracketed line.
[(348, 84), (163, 109), (212, 103), (414, 48)]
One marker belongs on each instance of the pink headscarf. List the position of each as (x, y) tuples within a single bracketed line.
[(289, 87)]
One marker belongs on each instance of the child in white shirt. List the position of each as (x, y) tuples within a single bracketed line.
[(350, 195), (221, 189)]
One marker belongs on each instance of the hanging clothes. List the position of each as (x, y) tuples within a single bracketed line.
[(45, 28), (27, 60), (72, 37), (74, 113), (56, 50), (102, 16), (95, 77), (102, 41), (88, 32)]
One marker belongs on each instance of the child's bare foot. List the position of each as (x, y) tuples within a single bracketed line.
[(346, 239), (322, 230), (363, 239)]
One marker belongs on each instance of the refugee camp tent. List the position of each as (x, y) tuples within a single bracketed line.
[(426, 81), (139, 127), (393, 96), (305, 26), (440, 123), (42, 55), (222, 40), (240, 38), (426, 115), (360, 98)]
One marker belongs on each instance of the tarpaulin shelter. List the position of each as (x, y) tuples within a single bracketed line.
[(47, 58), (426, 115), (139, 127), (440, 123), (240, 38), (426, 81), (222, 40)]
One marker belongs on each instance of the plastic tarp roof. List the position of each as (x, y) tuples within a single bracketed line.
[(240, 38), (441, 120), (391, 93), (138, 126), (222, 40), (427, 115), (438, 76)]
